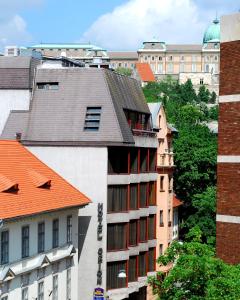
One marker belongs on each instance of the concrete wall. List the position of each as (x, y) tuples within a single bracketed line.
[(14, 229), (86, 169), (10, 100)]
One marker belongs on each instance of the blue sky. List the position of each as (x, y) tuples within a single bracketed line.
[(113, 24)]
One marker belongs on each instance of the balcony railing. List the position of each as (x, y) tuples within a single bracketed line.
[(165, 160)]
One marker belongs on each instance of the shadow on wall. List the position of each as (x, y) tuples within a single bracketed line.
[(83, 224)]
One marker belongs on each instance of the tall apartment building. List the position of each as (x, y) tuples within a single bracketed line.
[(38, 229), (94, 128), (228, 173), (166, 207)]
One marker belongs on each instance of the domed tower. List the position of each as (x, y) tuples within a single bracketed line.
[(212, 33)]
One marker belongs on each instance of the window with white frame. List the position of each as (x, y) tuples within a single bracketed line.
[(68, 284), (41, 290), (181, 67), (55, 288), (25, 293), (194, 67), (170, 67)]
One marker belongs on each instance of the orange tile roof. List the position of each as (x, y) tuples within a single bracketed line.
[(176, 201), (145, 72), (37, 188)]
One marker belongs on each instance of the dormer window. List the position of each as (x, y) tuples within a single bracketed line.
[(47, 85), (92, 118)]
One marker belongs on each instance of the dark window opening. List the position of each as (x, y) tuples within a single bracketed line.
[(143, 230), (41, 237), (134, 160), (143, 195), (152, 193), (143, 160), (25, 241), (132, 269), (142, 264), (117, 160), (117, 198), (152, 160), (161, 218), (116, 236), (113, 270), (151, 227), (138, 120), (47, 85), (133, 233), (161, 183), (4, 247), (69, 229), (55, 233), (133, 196), (92, 118), (151, 260)]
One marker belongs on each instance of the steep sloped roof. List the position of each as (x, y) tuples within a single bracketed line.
[(145, 72), (59, 115), (20, 168)]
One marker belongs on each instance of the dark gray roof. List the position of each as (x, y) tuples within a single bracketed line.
[(57, 116), (17, 72)]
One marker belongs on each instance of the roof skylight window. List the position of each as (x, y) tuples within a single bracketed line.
[(47, 85), (92, 118)]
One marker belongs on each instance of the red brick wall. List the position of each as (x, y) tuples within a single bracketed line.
[(229, 68), (228, 242), (229, 128), (228, 194)]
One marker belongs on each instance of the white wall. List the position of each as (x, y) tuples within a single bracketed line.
[(14, 229), (86, 169), (11, 100)]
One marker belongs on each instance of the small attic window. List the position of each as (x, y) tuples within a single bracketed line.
[(92, 118), (13, 189), (47, 85)]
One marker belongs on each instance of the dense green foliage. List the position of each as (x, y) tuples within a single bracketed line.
[(197, 274), (195, 149), (124, 71)]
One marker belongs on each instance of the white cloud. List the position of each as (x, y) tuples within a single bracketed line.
[(128, 25), (13, 28)]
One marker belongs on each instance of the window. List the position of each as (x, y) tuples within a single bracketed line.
[(151, 227), (169, 218), (207, 58), (182, 58), (143, 230), (134, 160), (113, 270), (161, 218), (170, 58), (153, 58), (47, 85), (143, 160), (143, 195), (170, 67), (194, 58), (181, 68), (25, 293), (118, 160), (69, 229), (68, 284), (194, 67), (92, 118), (161, 249), (160, 58), (142, 264), (151, 260), (132, 269), (55, 288), (41, 290), (170, 180), (133, 233), (4, 290), (152, 193), (152, 160), (161, 183), (117, 198), (55, 233), (201, 81), (25, 241), (4, 247), (125, 65), (41, 237), (145, 57), (160, 68), (116, 236), (133, 196)]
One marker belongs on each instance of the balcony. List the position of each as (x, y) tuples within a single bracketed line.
[(165, 160)]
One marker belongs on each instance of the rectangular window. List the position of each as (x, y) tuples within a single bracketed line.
[(161, 218), (25, 241), (170, 180), (143, 160), (132, 269), (181, 67), (41, 237), (41, 290), (134, 160), (170, 67), (55, 233), (169, 218), (47, 85), (194, 67), (4, 247), (143, 230), (133, 233), (113, 270), (25, 293), (118, 160), (142, 264), (92, 118), (151, 227), (69, 229), (160, 68), (116, 236), (152, 193), (68, 284), (161, 183), (117, 198), (152, 160), (55, 288), (151, 260), (143, 194), (161, 249), (133, 196)]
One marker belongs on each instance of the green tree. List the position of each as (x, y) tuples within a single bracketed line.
[(203, 94), (196, 273), (124, 71)]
